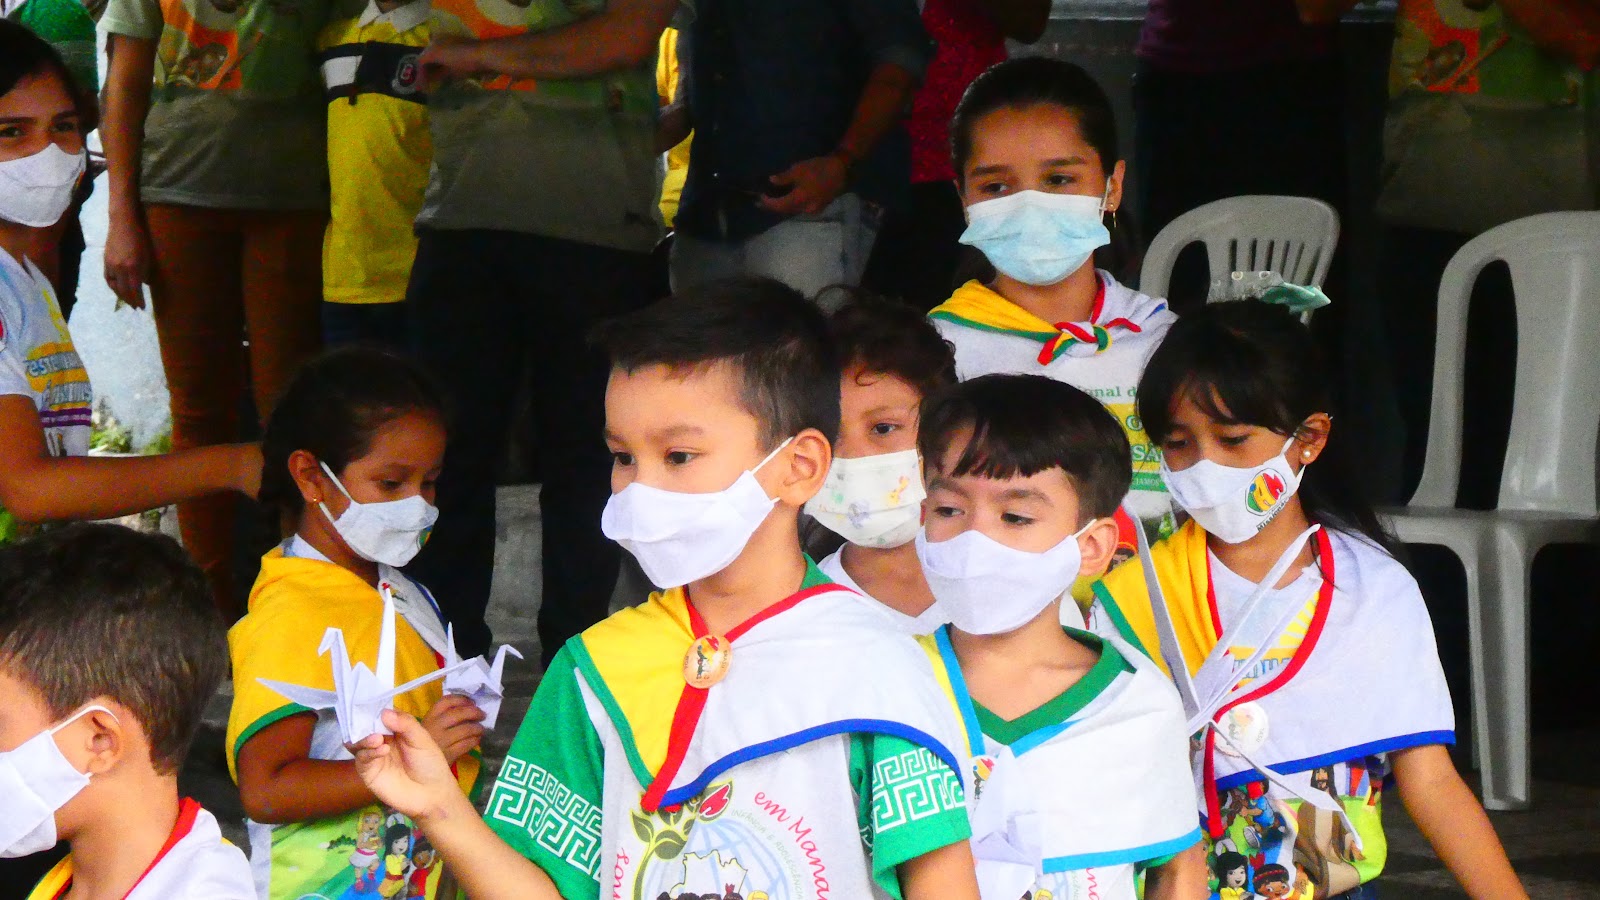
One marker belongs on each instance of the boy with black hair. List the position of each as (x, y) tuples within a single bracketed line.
[(1080, 782), (109, 650), (753, 727)]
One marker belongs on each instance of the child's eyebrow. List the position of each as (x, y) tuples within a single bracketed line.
[(1024, 494), (941, 483), (1065, 161), (678, 431), (988, 170), (887, 408)]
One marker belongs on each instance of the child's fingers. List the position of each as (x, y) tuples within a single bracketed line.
[(456, 714)]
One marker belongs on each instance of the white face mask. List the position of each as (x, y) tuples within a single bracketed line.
[(390, 532), (36, 190), (681, 538), (36, 780), (872, 501), (985, 587), (1231, 503)]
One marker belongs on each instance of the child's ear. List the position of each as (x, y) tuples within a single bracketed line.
[(810, 455), (308, 477), (104, 739), (1310, 439), (1114, 186), (1099, 545)]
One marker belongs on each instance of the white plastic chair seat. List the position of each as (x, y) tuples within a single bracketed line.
[(1548, 490), (1292, 236)]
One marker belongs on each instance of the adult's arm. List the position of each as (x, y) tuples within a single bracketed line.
[(891, 37), (36, 487), (127, 101), (621, 37), (1019, 20)]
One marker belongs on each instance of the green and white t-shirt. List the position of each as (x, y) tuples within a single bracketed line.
[(787, 799)]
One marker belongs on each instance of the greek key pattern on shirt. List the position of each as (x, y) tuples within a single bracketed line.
[(560, 821), (912, 786)]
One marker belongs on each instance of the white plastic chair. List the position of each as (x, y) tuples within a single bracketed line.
[(1293, 236), (1547, 491)]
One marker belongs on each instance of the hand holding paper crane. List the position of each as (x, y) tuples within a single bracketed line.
[(360, 695)]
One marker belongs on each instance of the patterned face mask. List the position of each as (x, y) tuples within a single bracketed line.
[(872, 501)]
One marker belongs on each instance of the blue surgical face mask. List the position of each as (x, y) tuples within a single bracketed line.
[(1038, 238)]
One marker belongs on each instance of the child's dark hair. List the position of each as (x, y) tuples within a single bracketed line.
[(93, 610), (1255, 363), (333, 408), (24, 55), (775, 340), (1031, 81), (887, 338), (1226, 862), (1026, 424)]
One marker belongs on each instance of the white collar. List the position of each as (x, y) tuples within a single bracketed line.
[(403, 17)]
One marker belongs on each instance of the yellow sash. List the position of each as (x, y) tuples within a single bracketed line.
[(1183, 570)]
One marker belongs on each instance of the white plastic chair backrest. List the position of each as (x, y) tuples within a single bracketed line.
[(1293, 236), (1555, 408)]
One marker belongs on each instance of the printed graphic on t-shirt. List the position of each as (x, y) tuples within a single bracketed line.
[(757, 843), (376, 853), (1292, 850), (1469, 47)]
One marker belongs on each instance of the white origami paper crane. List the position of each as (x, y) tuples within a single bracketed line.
[(476, 678), (360, 695)]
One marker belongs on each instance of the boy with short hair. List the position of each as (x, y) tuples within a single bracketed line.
[(1079, 782), (752, 730), (109, 650)]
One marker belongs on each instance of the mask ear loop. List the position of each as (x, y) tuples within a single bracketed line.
[(775, 451), (323, 505), (80, 714)]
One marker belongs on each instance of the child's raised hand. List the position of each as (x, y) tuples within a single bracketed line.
[(454, 724), (407, 770)]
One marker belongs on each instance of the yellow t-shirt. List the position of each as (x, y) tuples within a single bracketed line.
[(294, 601), (667, 73), (379, 151)]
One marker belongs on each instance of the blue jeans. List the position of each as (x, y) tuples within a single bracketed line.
[(1368, 891)]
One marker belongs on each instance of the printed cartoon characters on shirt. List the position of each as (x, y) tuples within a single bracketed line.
[(396, 858), (1329, 845), (423, 860)]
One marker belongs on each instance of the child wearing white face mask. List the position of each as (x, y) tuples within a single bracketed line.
[(752, 728), (109, 650), (45, 397), (872, 498), (1078, 782), (1035, 153), (353, 450), (1302, 647)]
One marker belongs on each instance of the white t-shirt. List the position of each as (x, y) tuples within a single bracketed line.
[(930, 619), (37, 359), (990, 337)]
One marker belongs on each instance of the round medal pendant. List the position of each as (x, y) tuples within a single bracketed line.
[(1245, 727), (707, 661)]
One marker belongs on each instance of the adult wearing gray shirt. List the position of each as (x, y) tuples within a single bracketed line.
[(538, 221)]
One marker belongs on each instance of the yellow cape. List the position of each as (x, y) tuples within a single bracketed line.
[(293, 602)]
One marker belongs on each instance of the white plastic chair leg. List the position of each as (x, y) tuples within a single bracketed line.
[(1500, 671)]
